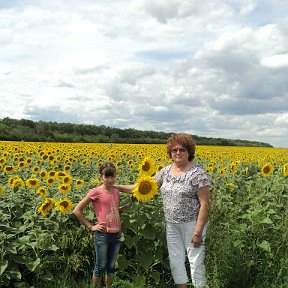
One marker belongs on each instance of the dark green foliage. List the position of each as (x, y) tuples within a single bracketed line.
[(27, 130)]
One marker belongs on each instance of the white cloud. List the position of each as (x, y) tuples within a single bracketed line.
[(215, 69), (276, 61)]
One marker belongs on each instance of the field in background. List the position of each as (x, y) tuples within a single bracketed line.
[(42, 241)]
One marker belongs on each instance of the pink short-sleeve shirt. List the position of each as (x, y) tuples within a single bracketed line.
[(106, 208)]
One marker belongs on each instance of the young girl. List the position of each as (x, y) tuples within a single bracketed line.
[(105, 201)]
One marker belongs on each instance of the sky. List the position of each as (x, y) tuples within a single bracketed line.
[(209, 68)]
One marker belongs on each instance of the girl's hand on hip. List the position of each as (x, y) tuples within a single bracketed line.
[(99, 227)]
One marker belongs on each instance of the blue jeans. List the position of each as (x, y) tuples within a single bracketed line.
[(107, 247)]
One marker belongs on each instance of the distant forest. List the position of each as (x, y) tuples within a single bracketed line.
[(41, 131)]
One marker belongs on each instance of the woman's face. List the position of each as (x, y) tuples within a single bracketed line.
[(179, 153)]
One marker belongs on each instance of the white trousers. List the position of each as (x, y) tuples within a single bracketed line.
[(179, 243)]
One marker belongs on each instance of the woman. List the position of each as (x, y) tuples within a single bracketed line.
[(184, 186)]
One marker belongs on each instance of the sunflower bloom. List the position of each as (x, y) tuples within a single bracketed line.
[(147, 167), (85, 162), (22, 165), (145, 188), (233, 167), (246, 171), (12, 181), (36, 169), (32, 183), (42, 191), (64, 188), (222, 170), (1, 189), (52, 174), (95, 182), (50, 181), (79, 183), (64, 205), (46, 206), (9, 169), (44, 174), (159, 167), (67, 179), (267, 169), (18, 182), (60, 174), (67, 167), (285, 170)]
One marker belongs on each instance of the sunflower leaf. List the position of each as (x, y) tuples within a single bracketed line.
[(148, 232), (264, 245), (146, 259)]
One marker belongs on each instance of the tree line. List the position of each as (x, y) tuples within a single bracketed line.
[(42, 131)]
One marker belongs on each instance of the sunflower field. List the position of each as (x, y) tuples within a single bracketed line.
[(43, 245)]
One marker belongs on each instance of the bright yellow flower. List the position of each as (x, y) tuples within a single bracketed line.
[(64, 205), (32, 183), (233, 167), (145, 188), (46, 206), (36, 169), (67, 167), (22, 165), (67, 179), (9, 169), (60, 174), (42, 191), (246, 170), (95, 182), (50, 181), (85, 162), (44, 174), (159, 167), (267, 169), (12, 180), (52, 174), (79, 183), (147, 167), (64, 188), (285, 170), (222, 171)]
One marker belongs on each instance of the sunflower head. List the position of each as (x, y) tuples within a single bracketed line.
[(9, 169), (267, 169), (145, 188), (64, 205), (32, 183), (285, 170), (147, 167), (46, 206), (64, 188), (42, 191), (79, 183)]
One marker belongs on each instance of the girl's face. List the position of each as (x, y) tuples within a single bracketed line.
[(108, 180)]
